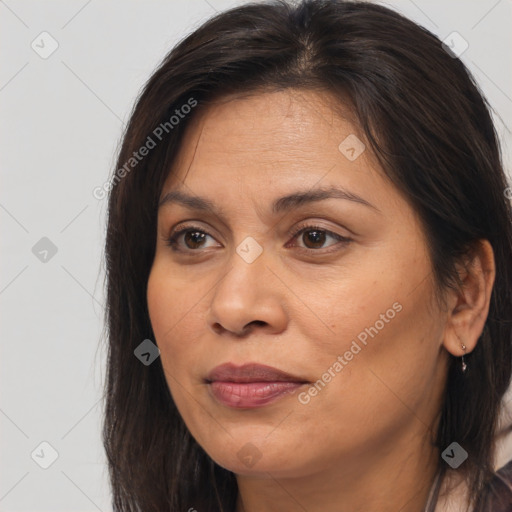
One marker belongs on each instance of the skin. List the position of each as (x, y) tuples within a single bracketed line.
[(363, 441)]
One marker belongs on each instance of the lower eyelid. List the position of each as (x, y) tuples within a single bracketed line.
[(172, 239), (340, 240)]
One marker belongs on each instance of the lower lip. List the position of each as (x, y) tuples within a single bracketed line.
[(251, 394)]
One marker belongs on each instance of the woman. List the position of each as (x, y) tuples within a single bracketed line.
[(309, 220)]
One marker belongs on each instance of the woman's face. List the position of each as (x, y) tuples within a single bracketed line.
[(345, 306)]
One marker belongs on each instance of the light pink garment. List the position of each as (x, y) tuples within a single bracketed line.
[(454, 501)]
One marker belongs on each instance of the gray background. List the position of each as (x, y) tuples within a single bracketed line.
[(62, 118)]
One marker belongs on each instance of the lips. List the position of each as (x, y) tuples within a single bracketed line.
[(250, 372), (250, 385)]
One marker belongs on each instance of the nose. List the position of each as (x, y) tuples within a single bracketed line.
[(247, 297)]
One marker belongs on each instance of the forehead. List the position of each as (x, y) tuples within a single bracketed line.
[(285, 134), (242, 160)]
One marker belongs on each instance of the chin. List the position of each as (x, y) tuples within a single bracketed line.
[(247, 459)]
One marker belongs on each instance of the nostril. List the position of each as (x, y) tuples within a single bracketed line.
[(257, 322), (218, 328)]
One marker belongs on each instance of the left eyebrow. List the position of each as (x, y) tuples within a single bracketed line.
[(299, 198), (281, 204)]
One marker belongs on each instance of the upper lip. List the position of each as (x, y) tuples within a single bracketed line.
[(250, 372)]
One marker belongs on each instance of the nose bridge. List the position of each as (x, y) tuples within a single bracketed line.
[(249, 250), (244, 294), (247, 267)]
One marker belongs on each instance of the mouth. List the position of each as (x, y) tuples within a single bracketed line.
[(251, 385)]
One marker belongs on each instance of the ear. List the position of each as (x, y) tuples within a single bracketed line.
[(468, 307)]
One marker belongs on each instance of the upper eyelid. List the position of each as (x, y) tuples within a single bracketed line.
[(293, 233), (313, 220), (189, 225), (185, 228), (313, 226)]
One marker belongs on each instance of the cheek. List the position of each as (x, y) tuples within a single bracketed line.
[(161, 306), (396, 368), (383, 325), (382, 386), (348, 308), (174, 309)]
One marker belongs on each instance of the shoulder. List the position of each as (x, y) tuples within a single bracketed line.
[(497, 494)]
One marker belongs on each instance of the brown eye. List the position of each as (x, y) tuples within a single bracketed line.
[(188, 239), (194, 239), (313, 238)]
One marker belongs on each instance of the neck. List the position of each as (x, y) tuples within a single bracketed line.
[(385, 479)]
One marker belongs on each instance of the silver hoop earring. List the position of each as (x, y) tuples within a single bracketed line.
[(464, 365)]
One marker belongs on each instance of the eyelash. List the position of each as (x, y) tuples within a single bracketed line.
[(172, 240)]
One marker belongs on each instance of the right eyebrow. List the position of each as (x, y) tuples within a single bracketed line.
[(281, 204)]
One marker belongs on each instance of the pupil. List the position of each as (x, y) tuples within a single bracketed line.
[(190, 237), (193, 239), (318, 238)]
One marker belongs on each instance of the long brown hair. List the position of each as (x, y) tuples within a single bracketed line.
[(429, 126)]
